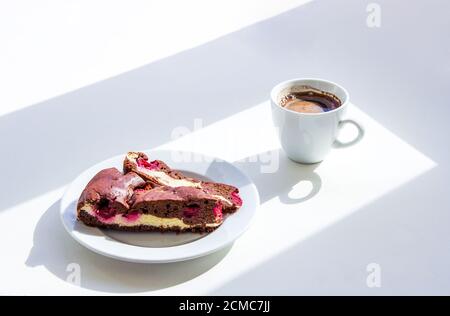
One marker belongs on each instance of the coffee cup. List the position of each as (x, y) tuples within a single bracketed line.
[(308, 136)]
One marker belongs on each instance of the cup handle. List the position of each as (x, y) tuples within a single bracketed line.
[(338, 144)]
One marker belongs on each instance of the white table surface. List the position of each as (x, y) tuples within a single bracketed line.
[(83, 82)]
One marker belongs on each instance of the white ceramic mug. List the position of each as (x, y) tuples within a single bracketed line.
[(308, 137)]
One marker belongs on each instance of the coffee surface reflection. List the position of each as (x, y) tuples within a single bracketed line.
[(307, 99)]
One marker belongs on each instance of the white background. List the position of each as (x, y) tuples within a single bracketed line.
[(84, 80)]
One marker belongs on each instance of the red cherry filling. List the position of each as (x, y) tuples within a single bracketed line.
[(236, 198), (191, 210), (218, 211), (104, 210), (152, 165), (132, 216)]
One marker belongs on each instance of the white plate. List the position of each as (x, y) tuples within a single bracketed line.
[(155, 247)]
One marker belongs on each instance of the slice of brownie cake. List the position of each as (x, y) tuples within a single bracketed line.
[(159, 173), (126, 202)]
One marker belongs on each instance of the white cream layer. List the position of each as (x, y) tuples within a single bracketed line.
[(165, 179), (219, 197), (143, 219)]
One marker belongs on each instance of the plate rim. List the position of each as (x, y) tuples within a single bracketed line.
[(253, 191)]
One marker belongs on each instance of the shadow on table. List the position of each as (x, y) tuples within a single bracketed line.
[(136, 110), (54, 249), (275, 175)]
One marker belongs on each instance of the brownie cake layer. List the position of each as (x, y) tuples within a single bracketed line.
[(191, 205), (159, 173)]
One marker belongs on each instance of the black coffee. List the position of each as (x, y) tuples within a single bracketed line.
[(306, 99)]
